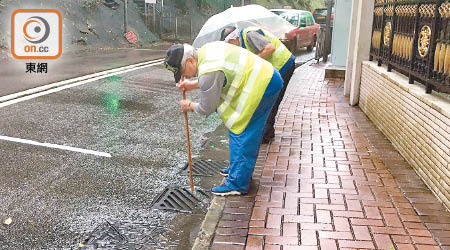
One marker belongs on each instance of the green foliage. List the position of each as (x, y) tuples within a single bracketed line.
[(212, 6), (3, 41), (91, 4), (296, 4), (181, 5), (317, 4)]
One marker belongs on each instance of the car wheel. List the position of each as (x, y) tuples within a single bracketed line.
[(312, 45), (293, 47)]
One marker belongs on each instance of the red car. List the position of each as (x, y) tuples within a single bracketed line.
[(305, 33)]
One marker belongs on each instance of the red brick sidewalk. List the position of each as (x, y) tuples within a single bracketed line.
[(330, 180)]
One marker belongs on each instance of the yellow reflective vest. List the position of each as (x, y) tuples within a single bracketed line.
[(247, 78), (281, 54)]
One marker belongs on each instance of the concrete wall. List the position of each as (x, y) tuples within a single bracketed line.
[(362, 38), (341, 29), (417, 124), (351, 48)]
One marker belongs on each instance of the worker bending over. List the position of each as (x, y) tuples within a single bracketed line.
[(241, 87), (270, 48)]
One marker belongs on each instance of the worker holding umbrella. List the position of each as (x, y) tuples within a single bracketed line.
[(237, 24), (241, 87), (270, 48)]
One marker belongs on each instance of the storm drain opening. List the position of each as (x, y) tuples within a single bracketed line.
[(126, 235), (204, 167), (181, 199)]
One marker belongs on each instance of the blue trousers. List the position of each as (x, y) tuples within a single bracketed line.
[(244, 147), (286, 73)]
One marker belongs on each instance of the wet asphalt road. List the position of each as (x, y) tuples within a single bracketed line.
[(302, 56), (72, 64), (56, 197)]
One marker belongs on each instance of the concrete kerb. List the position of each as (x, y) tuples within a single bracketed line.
[(209, 225), (307, 64)]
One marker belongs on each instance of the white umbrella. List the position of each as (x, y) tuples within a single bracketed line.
[(242, 17)]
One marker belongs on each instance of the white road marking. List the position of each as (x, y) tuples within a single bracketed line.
[(58, 86), (50, 145), (76, 83), (77, 79)]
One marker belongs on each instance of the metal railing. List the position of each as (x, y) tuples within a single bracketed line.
[(413, 37), (170, 26), (173, 24)]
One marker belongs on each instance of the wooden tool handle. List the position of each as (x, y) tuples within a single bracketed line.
[(188, 146)]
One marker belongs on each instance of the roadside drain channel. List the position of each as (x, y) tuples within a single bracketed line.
[(181, 199), (204, 167), (178, 199), (123, 236)]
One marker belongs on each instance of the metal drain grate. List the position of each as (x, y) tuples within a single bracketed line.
[(123, 236), (204, 167), (181, 199)]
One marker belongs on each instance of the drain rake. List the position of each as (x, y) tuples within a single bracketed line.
[(180, 199), (204, 167)]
